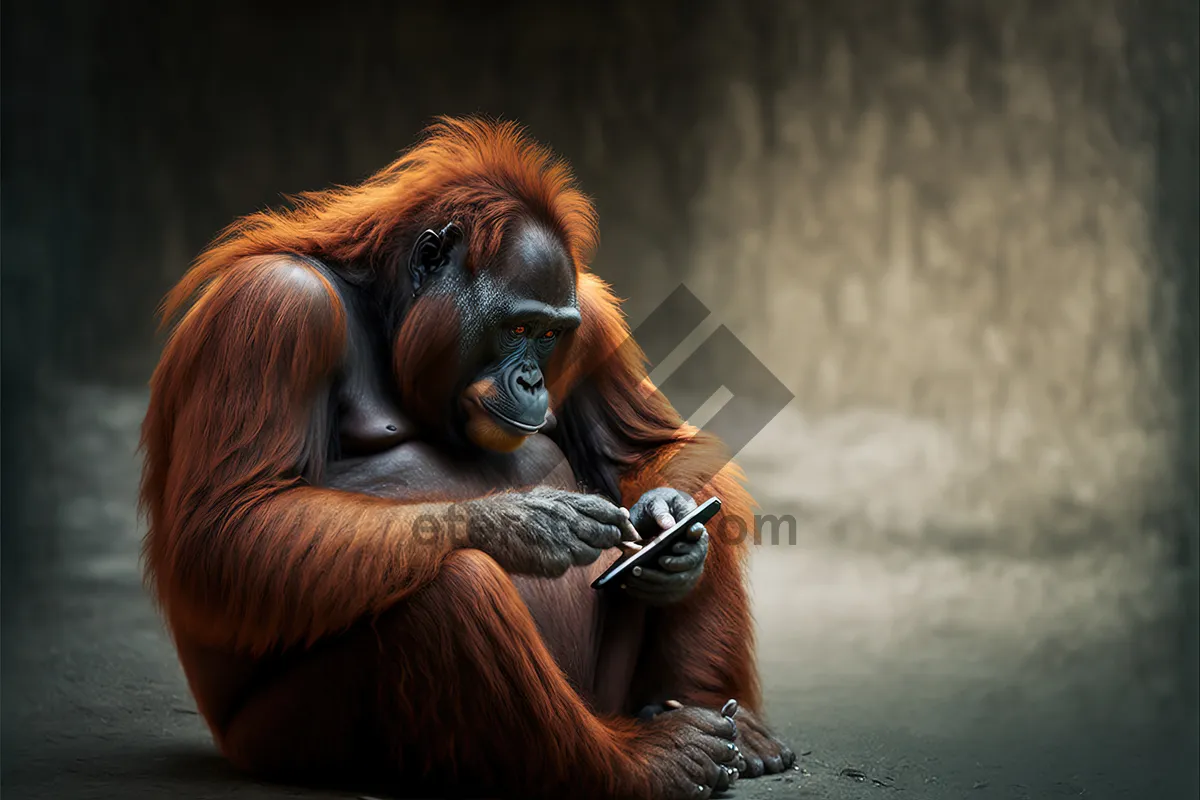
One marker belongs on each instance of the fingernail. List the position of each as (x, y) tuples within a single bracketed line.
[(637, 572), (673, 704), (729, 709), (666, 521), (629, 548)]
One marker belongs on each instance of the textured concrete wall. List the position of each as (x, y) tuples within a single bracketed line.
[(944, 216), (934, 221)]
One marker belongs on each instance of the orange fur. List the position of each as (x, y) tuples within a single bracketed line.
[(484, 175), (317, 636)]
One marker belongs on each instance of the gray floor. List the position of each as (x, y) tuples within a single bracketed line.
[(920, 668)]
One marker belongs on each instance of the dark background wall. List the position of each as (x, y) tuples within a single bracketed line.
[(963, 234)]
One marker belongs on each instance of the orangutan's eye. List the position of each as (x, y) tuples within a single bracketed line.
[(549, 334), (519, 330)]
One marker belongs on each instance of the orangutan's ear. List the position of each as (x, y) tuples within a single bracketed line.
[(431, 252)]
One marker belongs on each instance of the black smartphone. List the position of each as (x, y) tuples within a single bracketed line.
[(659, 545)]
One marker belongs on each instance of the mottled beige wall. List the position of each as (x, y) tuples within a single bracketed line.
[(944, 255)]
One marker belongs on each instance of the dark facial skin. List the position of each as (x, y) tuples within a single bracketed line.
[(514, 313)]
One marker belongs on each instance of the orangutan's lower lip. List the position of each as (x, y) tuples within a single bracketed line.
[(521, 428)]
